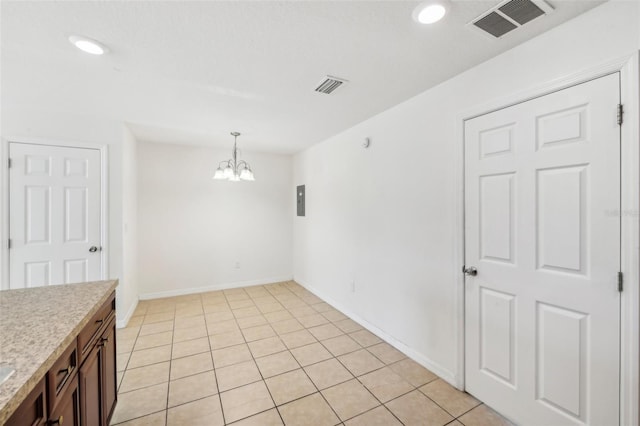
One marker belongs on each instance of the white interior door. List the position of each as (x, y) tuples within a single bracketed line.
[(542, 227), (55, 219)]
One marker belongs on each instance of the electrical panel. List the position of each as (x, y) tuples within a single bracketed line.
[(300, 199)]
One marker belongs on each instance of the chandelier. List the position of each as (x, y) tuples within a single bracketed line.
[(232, 169)]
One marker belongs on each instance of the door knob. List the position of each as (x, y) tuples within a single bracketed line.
[(93, 249), (471, 271)]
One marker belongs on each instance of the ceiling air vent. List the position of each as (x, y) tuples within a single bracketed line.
[(521, 11), (329, 84), (509, 15), (495, 24)]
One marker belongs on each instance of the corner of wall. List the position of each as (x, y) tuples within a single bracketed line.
[(444, 373), (129, 294), (123, 320)]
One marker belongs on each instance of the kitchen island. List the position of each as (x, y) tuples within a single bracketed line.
[(48, 335)]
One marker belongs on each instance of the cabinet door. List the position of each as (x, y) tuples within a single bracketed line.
[(33, 410), (109, 374), (90, 395), (61, 375), (67, 411)]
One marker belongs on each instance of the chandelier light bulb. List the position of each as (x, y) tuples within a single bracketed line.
[(219, 174), (246, 174)]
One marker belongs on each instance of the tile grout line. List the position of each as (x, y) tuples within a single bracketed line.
[(235, 319), (128, 359), (445, 410), (381, 404), (135, 339), (367, 389), (127, 369), (275, 406), (307, 375), (246, 343), (332, 322), (213, 364), (469, 410), (260, 372), (166, 413), (415, 388), (385, 365), (340, 421), (303, 370), (287, 299)]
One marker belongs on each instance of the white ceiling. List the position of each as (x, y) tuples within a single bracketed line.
[(192, 71)]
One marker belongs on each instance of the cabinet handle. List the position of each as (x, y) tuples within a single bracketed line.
[(57, 422), (100, 321), (67, 370)]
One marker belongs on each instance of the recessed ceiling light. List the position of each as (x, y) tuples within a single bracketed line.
[(428, 13), (88, 45)]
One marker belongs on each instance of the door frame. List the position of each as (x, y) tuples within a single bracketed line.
[(4, 188), (629, 68)]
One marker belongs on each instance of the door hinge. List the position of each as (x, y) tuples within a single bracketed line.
[(620, 280), (9, 243), (620, 114), (9, 162)]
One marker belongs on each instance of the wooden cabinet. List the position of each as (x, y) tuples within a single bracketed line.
[(109, 371), (62, 389), (61, 374), (33, 410), (67, 410), (90, 400), (80, 389), (98, 379)]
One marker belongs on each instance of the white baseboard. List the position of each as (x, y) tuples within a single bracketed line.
[(224, 286), (444, 373), (122, 323)]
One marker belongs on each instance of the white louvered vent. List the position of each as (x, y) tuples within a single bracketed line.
[(510, 15), (329, 84)]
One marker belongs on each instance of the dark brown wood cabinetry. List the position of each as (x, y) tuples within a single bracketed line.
[(67, 410), (97, 346), (98, 379), (33, 410), (109, 371), (81, 387), (90, 400), (62, 389)]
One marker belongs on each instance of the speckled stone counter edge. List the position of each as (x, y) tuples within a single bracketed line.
[(19, 396)]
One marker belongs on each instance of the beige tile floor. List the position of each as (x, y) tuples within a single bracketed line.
[(273, 355)]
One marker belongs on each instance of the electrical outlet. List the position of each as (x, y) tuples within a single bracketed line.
[(353, 286), (237, 265)]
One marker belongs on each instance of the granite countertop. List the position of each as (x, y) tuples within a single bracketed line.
[(36, 326)]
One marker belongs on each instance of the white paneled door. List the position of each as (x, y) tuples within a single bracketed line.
[(55, 215), (542, 228)]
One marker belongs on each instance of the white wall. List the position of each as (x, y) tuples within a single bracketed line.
[(129, 294), (47, 126), (384, 216), (192, 230)]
